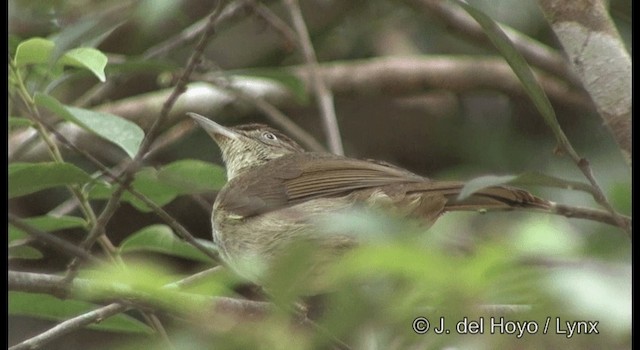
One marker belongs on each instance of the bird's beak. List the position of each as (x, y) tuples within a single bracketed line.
[(214, 129)]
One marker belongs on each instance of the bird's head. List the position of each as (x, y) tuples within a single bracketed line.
[(247, 146)]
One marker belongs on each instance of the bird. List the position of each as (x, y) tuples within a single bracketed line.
[(276, 192)]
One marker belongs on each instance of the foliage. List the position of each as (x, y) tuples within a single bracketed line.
[(501, 271)]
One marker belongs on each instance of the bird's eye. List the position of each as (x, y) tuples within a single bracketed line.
[(269, 136)]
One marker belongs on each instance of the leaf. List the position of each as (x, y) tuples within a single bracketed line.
[(26, 178), (539, 179), (528, 178), (161, 239), (127, 135), (47, 307), (46, 223), (34, 50), (85, 32), (144, 282), (517, 63), (86, 57), (192, 176), (164, 185), (146, 183), (24, 252), (40, 51), (479, 183), (19, 121)]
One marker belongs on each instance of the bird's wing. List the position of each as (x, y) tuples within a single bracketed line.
[(297, 178)]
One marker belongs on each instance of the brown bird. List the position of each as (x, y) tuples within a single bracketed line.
[(276, 193)]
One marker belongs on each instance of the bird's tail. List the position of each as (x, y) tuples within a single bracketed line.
[(489, 198)]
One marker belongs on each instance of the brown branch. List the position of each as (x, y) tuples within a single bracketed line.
[(70, 325), (55, 242), (185, 37), (598, 55), (396, 76), (272, 113), (274, 22), (388, 77), (114, 201), (536, 53), (324, 97), (162, 214), (79, 288), (602, 216)]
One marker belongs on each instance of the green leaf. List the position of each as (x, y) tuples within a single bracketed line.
[(46, 223), (620, 194), (144, 282), (479, 183), (40, 51), (86, 57), (26, 178), (146, 182), (19, 121), (24, 252), (125, 134), (528, 178), (47, 307), (33, 51), (161, 239), (517, 63), (285, 78), (539, 179), (164, 185), (192, 176)]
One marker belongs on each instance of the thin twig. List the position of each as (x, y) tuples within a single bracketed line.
[(55, 242), (162, 214), (56, 286), (272, 113), (195, 278), (536, 53), (128, 174), (603, 216), (70, 325), (43, 283), (598, 55), (600, 198), (194, 31), (385, 77), (323, 94), (275, 22), (167, 138), (564, 146), (185, 37)]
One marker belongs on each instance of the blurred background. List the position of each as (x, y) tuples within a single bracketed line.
[(411, 87)]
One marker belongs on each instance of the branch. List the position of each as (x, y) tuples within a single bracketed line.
[(56, 286), (275, 22), (602, 216), (598, 56), (185, 37), (55, 242), (380, 77), (211, 306), (272, 113), (114, 201), (70, 325), (536, 53), (324, 97)]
